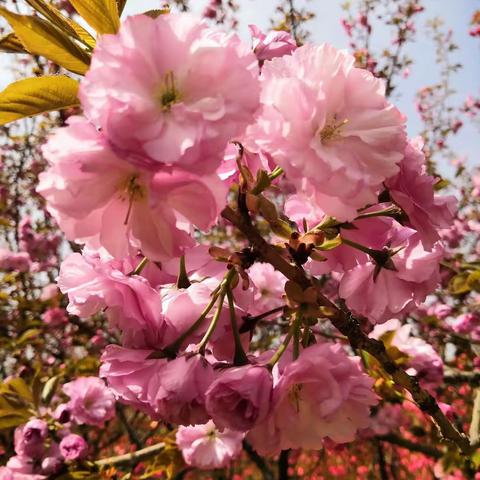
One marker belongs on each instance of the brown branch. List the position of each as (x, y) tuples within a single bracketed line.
[(475, 424), (350, 327), (131, 458), (412, 446), (455, 377)]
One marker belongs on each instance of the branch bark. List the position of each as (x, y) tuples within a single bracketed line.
[(349, 326), (412, 446), (133, 457)]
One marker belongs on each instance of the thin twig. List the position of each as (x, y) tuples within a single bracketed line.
[(133, 457)]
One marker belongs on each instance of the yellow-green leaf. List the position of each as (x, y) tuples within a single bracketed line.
[(458, 285), (11, 44), (330, 244), (11, 420), (19, 387), (36, 95), (66, 24), (42, 38), (102, 15), (156, 12)]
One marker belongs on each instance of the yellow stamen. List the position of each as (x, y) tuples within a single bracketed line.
[(134, 192), (168, 93), (332, 129)]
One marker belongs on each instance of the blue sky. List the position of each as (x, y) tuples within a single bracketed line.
[(326, 27)]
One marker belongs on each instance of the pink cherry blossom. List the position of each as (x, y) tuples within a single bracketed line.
[(380, 293), (322, 394), (131, 375), (93, 283), (276, 43), (340, 139), (270, 287), (73, 447), (179, 390), (206, 447), (175, 105), (240, 397), (54, 317), (14, 261), (423, 361), (100, 199), (412, 189), (30, 438), (91, 401)]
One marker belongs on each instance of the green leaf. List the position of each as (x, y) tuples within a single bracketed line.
[(10, 420), (49, 389), (11, 44), (101, 15), (458, 285), (42, 38), (33, 96), (473, 281), (27, 336), (66, 24), (330, 244)]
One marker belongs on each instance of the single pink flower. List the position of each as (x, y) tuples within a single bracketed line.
[(73, 447), (30, 438), (323, 393), (380, 293), (100, 199), (269, 288), (131, 375), (54, 317), (423, 361), (412, 189), (176, 105), (276, 43), (206, 447), (240, 397), (91, 401), (14, 261), (340, 139)]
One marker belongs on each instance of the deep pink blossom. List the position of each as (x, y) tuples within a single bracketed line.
[(91, 401), (73, 447), (14, 261), (340, 139), (178, 105), (54, 317), (240, 397), (30, 438), (206, 447)]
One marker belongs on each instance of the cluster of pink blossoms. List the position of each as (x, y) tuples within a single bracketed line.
[(149, 165), (42, 450)]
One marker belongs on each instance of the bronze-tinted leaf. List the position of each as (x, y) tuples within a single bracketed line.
[(40, 37), (102, 15), (36, 95)]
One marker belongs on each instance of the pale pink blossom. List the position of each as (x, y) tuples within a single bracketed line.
[(206, 447), (240, 397), (323, 393), (171, 91), (412, 189), (269, 288), (93, 284), (423, 361), (340, 138), (276, 43), (91, 401), (381, 292), (100, 199)]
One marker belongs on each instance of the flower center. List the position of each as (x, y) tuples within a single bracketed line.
[(168, 94), (294, 396), (134, 191), (332, 129)]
